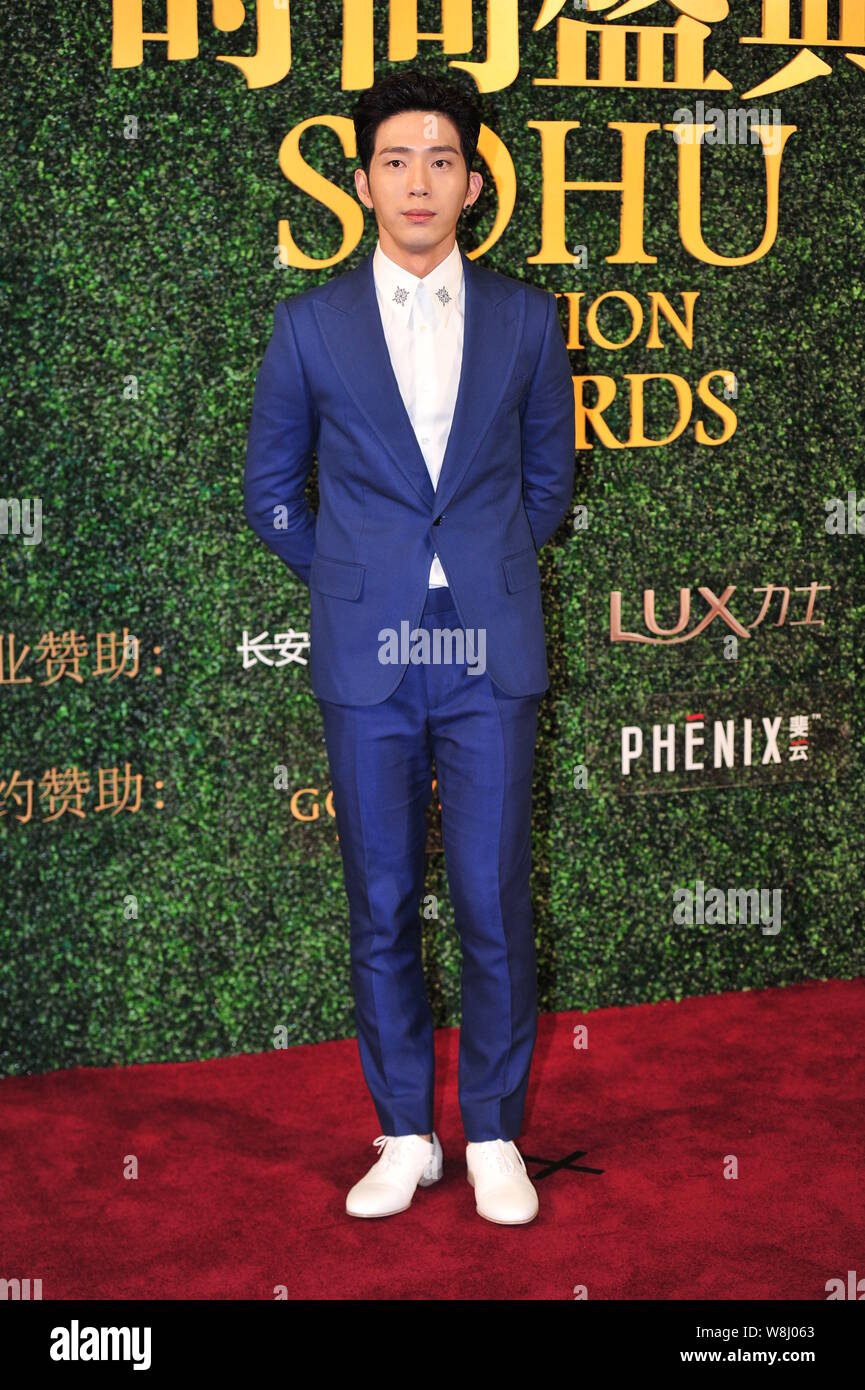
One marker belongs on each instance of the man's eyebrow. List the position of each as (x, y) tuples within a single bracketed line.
[(409, 149)]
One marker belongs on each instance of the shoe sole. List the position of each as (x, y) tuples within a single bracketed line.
[(526, 1221), (376, 1215)]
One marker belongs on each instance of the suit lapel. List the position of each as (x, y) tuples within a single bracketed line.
[(351, 326)]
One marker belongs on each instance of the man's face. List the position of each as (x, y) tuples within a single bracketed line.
[(417, 183)]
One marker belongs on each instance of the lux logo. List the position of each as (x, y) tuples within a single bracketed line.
[(668, 636)]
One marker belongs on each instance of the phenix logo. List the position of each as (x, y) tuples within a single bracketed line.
[(671, 743), (76, 1343)]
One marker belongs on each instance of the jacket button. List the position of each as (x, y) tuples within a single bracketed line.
[(439, 519)]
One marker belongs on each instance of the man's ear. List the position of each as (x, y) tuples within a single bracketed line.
[(362, 188)]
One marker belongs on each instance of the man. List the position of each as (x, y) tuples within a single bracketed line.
[(438, 398)]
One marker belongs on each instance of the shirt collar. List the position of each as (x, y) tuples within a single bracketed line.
[(397, 286)]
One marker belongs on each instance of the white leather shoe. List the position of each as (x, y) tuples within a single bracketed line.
[(504, 1192), (405, 1162)]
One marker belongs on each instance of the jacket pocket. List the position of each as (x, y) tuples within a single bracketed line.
[(521, 569), (339, 578)]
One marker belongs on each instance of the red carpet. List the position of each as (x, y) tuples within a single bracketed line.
[(244, 1163)]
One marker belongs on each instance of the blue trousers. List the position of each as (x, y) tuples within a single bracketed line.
[(380, 757)]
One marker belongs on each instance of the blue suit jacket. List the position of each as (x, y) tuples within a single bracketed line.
[(326, 387)]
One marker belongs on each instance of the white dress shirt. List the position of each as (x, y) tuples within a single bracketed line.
[(423, 323)]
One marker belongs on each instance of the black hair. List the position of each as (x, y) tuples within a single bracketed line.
[(409, 89)]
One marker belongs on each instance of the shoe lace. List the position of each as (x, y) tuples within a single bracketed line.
[(390, 1147), (500, 1153)]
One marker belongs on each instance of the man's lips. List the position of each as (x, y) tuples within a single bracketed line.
[(419, 216)]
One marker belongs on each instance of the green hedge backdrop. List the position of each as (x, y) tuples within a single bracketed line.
[(196, 929)]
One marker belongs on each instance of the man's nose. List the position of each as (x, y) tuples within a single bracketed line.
[(418, 179)]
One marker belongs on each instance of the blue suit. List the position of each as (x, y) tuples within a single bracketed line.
[(326, 386)]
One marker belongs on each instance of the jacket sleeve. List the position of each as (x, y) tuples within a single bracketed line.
[(548, 426), (280, 449)]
